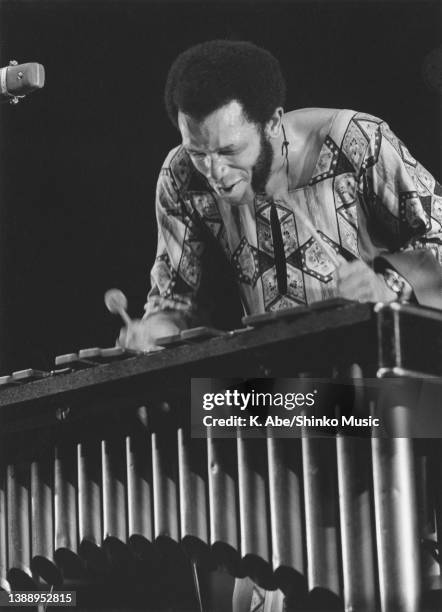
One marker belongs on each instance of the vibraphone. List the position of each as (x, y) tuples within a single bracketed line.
[(102, 483)]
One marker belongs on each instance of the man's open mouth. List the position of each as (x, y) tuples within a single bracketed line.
[(227, 190)]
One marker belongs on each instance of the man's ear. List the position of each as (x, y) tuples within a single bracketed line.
[(273, 125)]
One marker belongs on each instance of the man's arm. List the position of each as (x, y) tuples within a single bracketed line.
[(403, 207), (144, 334), (175, 276)]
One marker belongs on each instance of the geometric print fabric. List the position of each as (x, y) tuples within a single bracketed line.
[(362, 169)]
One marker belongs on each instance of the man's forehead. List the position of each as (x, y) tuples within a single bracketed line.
[(221, 126)]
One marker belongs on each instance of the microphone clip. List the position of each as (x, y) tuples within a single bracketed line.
[(13, 98)]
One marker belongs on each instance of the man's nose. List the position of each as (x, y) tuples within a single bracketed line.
[(216, 168)]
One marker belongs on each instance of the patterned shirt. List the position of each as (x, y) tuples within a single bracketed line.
[(367, 197)]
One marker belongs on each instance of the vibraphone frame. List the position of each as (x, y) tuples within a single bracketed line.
[(92, 492)]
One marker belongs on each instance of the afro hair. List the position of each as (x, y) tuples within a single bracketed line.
[(212, 74)]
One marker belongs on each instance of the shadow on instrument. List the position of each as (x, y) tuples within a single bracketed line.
[(142, 548), (94, 557), (228, 557), (321, 599), (119, 555), (70, 564), (291, 583), (20, 580), (259, 570), (168, 551), (432, 601), (47, 570), (174, 574), (199, 552)]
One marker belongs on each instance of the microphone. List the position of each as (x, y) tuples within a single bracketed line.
[(18, 80)]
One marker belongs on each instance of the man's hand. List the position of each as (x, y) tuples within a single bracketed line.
[(357, 281), (143, 334)]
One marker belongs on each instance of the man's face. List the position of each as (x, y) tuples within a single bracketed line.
[(230, 151)]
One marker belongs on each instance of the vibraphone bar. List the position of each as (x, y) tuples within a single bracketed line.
[(101, 481)]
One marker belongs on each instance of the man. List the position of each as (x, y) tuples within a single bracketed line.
[(306, 205)]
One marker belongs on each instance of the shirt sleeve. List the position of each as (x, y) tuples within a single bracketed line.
[(403, 208), (176, 272)]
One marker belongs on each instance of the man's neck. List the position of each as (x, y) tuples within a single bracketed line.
[(277, 186), (293, 167)]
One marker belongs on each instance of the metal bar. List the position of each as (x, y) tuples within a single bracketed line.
[(426, 504), (65, 506), (19, 535), (387, 372), (396, 524), (4, 584), (287, 516), (89, 492), (139, 483), (253, 510), (321, 514), (114, 489), (43, 520), (165, 484), (357, 522), (193, 496), (223, 501)]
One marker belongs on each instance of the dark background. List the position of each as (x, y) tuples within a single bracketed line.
[(79, 159)]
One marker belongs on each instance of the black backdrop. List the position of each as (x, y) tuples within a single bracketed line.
[(79, 159)]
